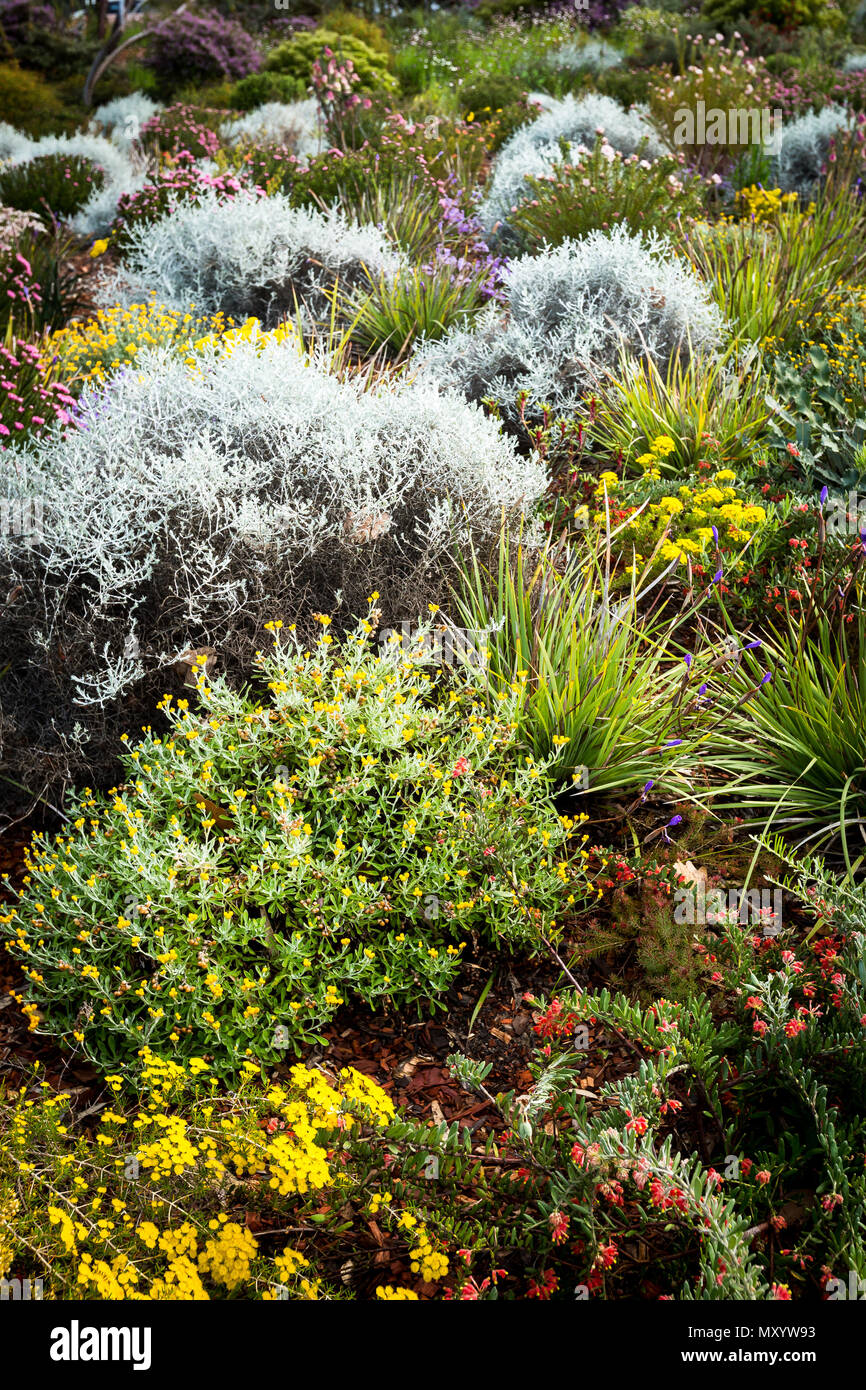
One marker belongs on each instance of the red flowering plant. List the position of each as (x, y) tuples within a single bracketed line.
[(725, 1162)]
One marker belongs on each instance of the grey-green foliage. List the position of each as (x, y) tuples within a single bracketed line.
[(804, 147), (568, 314), (193, 504), (249, 256)]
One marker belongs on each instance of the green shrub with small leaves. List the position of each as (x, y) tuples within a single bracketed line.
[(295, 58), (27, 101), (265, 861), (54, 185), (259, 88)]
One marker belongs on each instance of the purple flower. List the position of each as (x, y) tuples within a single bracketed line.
[(673, 743), (767, 676), (674, 820), (824, 492), (750, 646), (688, 660), (715, 535)]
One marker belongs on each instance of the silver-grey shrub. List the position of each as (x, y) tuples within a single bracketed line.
[(533, 149), (123, 118), (804, 147), (595, 55), (192, 505), (250, 256), (296, 124), (568, 315)]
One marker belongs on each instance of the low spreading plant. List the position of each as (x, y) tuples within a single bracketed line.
[(31, 398), (704, 524), (40, 286), (357, 827), (612, 1203), (172, 1236), (194, 130)]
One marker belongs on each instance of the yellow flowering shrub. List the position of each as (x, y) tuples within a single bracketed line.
[(263, 861), (94, 350), (695, 521), (135, 1211), (764, 204)]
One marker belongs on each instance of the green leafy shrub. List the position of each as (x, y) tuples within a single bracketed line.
[(767, 1065), (489, 93), (818, 428), (55, 185), (296, 56), (261, 87), (26, 100), (263, 862)]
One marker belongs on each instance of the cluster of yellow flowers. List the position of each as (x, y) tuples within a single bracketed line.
[(697, 519), (96, 349), (764, 204), (660, 448), (93, 351), (111, 1228)]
